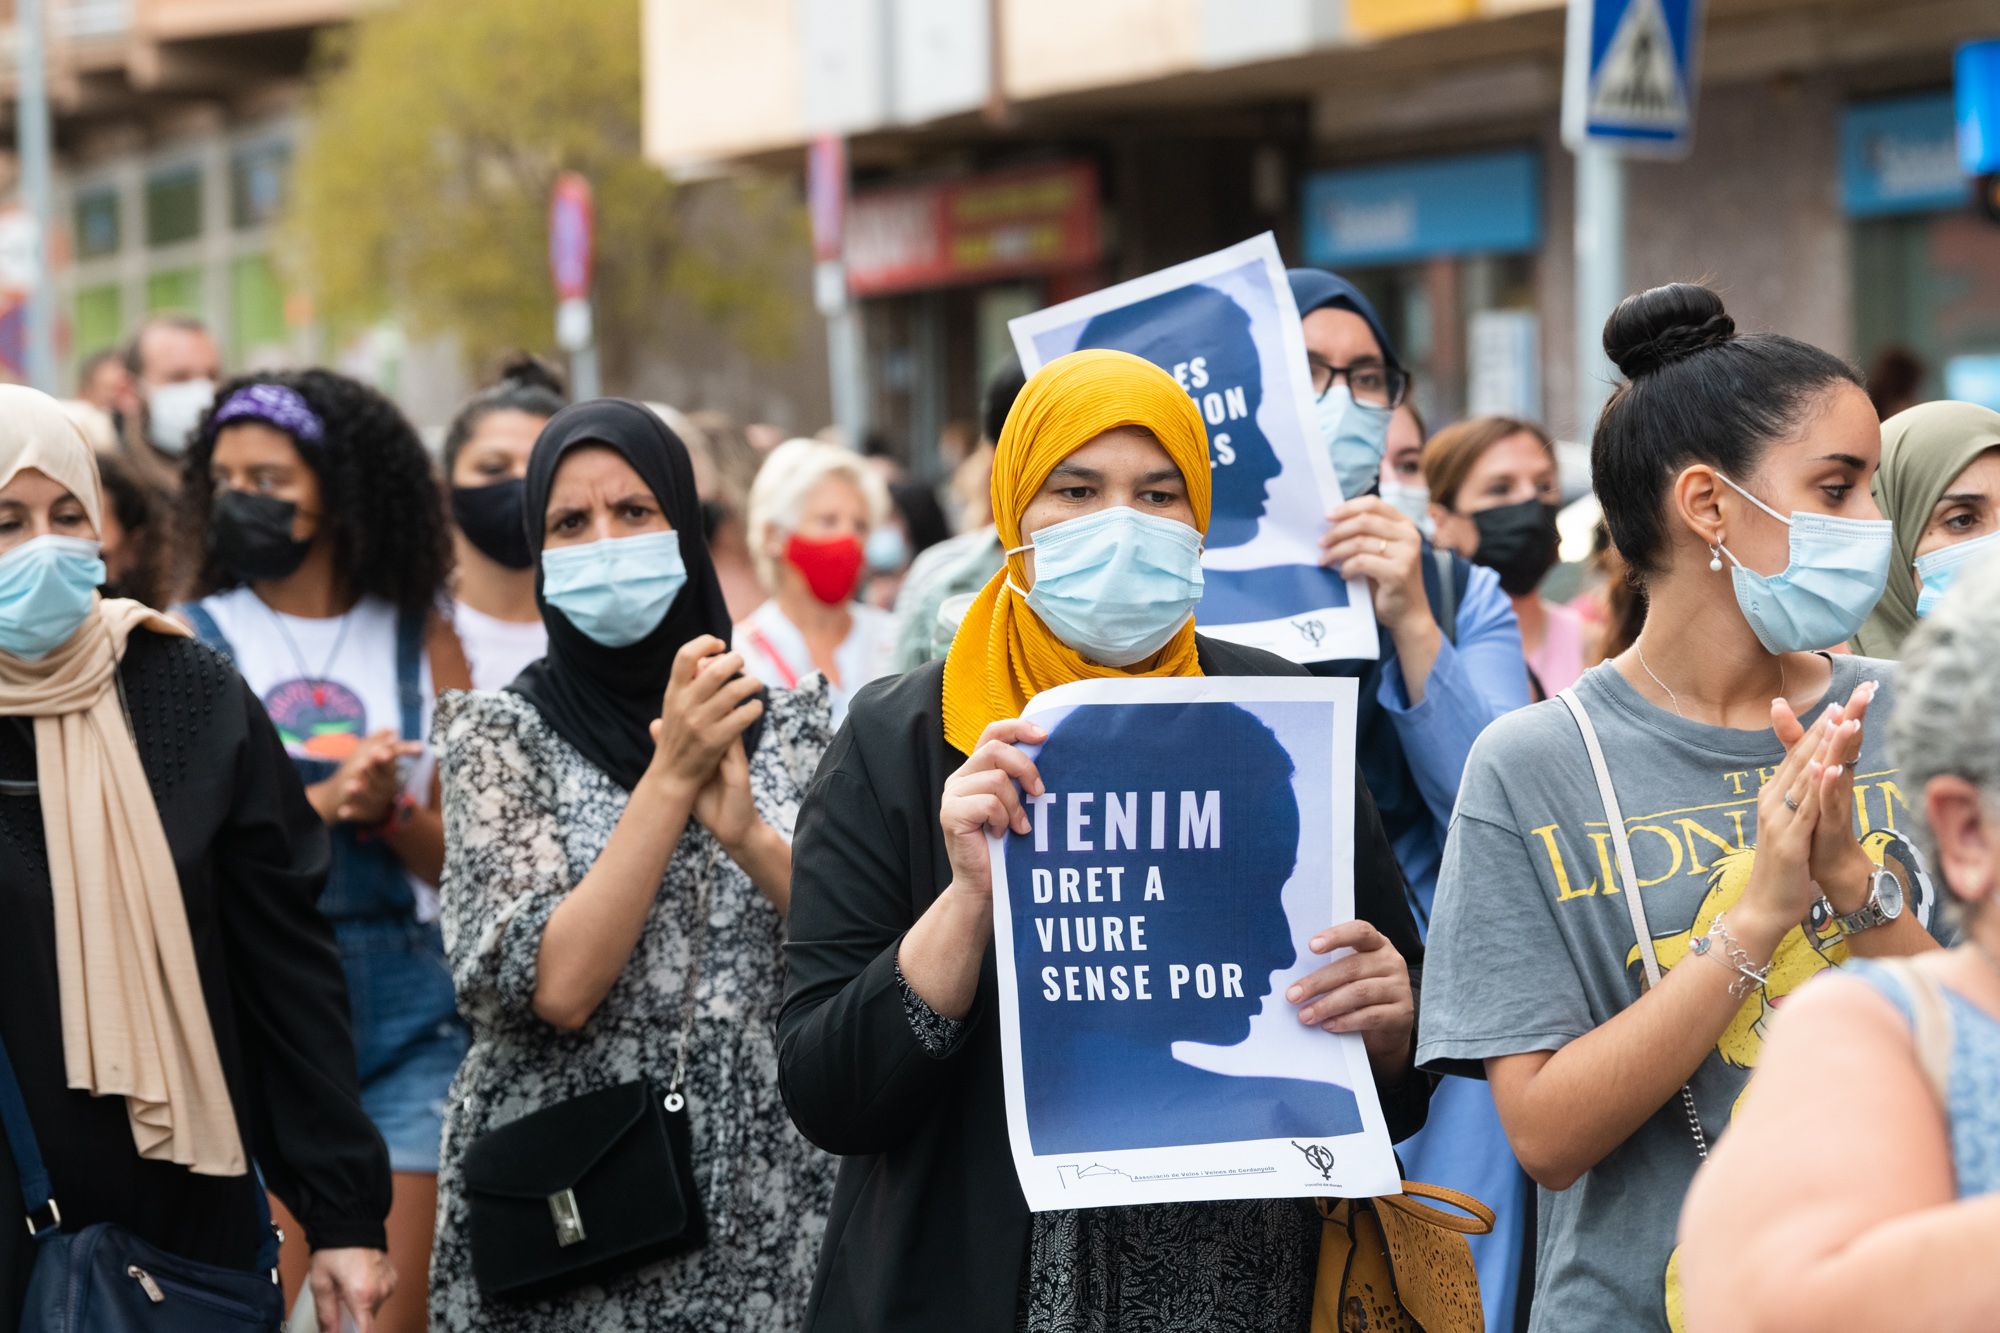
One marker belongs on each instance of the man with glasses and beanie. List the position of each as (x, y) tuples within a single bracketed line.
[(1450, 663)]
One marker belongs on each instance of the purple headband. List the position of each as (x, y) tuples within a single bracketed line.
[(274, 405)]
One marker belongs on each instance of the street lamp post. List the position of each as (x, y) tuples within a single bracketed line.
[(31, 133)]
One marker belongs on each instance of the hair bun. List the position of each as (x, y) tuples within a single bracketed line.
[(527, 371), (1654, 329)]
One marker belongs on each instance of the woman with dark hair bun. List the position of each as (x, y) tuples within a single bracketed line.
[(1751, 799), (486, 466), (323, 553)]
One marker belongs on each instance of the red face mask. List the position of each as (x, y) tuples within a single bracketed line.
[(831, 565)]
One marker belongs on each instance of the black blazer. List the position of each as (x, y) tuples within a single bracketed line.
[(929, 1226)]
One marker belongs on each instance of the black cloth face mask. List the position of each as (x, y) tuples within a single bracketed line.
[(493, 518), (251, 535), (1518, 542)]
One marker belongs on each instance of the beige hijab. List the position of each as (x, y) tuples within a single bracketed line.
[(134, 1021)]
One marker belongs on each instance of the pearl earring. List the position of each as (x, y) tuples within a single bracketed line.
[(1714, 559)]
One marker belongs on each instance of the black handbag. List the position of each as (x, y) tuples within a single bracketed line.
[(104, 1279), (586, 1188), (593, 1186)]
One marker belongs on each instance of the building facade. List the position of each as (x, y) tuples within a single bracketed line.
[(175, 124), (1412, 144)]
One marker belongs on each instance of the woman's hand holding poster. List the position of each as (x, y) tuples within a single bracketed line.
[(1192, 838), (1226, 327)]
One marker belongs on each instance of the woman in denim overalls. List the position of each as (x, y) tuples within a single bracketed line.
[(311, 506)]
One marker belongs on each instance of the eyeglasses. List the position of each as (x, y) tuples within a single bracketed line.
[(1372, 383)]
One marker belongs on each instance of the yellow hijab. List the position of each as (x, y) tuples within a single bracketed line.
[(1003, 655), (135, 1022)]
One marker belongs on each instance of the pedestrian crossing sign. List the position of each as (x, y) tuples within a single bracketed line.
[(1629, 75)]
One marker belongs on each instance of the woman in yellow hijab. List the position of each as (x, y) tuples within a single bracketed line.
[(889, 1042)]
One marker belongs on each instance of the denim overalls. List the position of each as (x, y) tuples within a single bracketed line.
[(407, 1035)]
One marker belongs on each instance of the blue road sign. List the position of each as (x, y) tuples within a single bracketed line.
[(1629, 75), (1978, 70)]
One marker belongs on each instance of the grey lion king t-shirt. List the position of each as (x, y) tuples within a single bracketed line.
[(1531, 945)]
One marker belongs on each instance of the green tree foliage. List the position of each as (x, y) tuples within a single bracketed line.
[(439, 127)]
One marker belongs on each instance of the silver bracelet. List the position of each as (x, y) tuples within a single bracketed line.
[(1722, 946)]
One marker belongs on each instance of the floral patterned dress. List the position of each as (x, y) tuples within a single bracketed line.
[(526, 816)]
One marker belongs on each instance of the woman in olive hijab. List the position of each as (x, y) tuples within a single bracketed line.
[(1939, 484)]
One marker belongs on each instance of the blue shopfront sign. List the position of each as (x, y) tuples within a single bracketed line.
[(1977, 70), (1478, 203), (1900, 156)]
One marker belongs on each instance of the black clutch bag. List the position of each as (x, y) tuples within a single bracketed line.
[(593, 1186)]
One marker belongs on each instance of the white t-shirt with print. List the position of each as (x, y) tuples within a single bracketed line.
[(498, 650), (327, 683)]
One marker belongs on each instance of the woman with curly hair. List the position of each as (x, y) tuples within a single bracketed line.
[(323, 556)]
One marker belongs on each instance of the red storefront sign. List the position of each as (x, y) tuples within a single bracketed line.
[(1032, 220)]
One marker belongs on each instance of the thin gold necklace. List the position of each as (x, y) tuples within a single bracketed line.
[(1674, 699)]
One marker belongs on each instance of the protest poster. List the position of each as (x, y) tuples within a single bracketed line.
[(1226, 327), (1192, 837)]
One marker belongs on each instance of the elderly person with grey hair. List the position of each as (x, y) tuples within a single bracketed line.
[(811, 510), (1859, 1184)]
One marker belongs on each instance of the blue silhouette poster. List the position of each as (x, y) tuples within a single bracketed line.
[(1225, 326), (1191, 839)]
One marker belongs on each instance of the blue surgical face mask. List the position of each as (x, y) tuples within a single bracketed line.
[(1939, 569), (1413, 502), (617, 591), (887, 549), (1356, 435), (46, 586), (1836, 574), (1114, 585)]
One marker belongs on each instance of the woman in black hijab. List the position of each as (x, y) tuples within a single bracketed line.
[(617, 866)]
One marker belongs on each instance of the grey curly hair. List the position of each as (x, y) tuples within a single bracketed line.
[(1947, 717)]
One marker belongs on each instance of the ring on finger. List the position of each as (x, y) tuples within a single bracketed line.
[(1381, 546), (1801, 786)]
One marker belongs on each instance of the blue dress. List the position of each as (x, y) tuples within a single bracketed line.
[(1973, 1088)]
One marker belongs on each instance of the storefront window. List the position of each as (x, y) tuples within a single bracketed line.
[(1929, 287), (174, 291), (1429, 309), (256, 309), (173, 206), (1926, 267), (1436, 242), (97, 219), (258, 177), (100, 318)]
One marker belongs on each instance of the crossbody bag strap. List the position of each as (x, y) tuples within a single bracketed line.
[(1621, 846), (43, 1216), (1628, 877), (38, 1201), (762, 643), (697, 957)]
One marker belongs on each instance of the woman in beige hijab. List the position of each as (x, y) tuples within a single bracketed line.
[(170, 998)]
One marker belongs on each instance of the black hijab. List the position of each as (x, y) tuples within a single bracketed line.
[(602, 700)]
